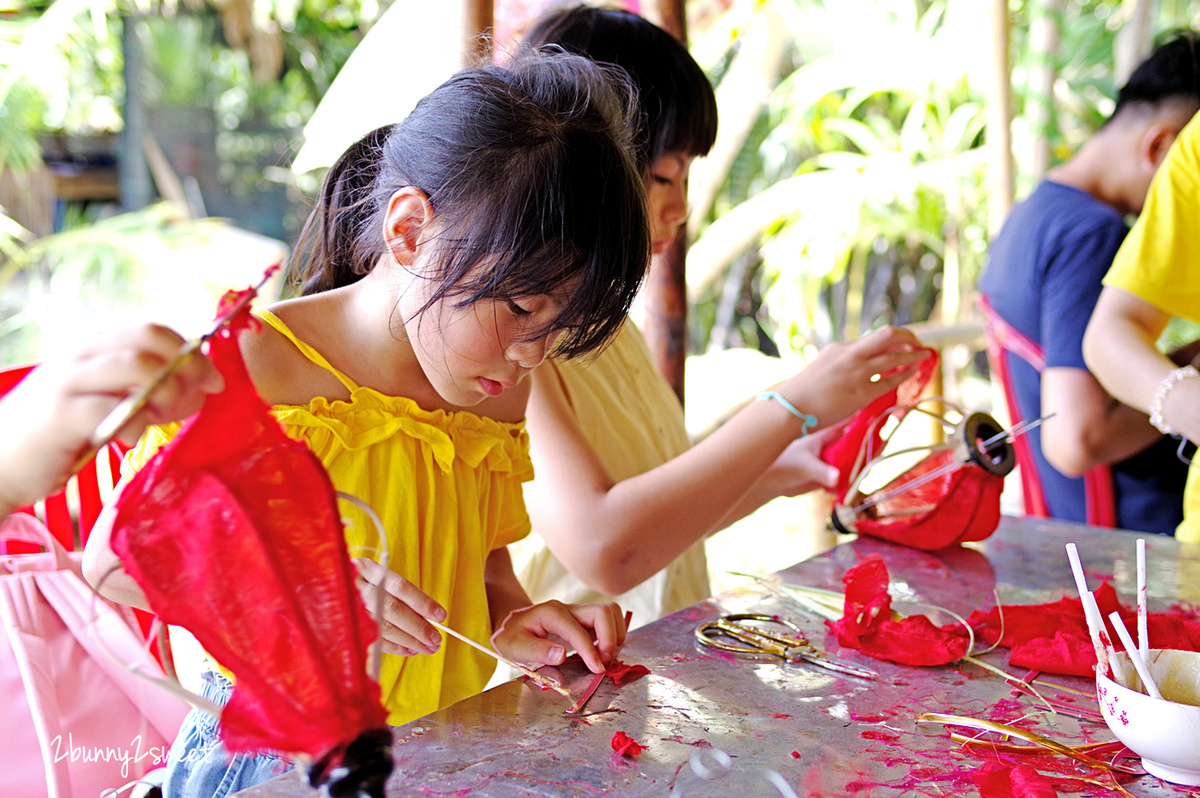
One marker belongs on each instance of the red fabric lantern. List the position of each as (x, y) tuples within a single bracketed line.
[(950, 496), (232, 531)]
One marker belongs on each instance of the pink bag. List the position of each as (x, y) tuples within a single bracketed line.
[(76, 719)]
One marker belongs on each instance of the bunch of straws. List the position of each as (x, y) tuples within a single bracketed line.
[(1106, 658)]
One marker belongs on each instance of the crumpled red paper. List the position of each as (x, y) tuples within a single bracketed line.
[(624, 745), (867, 624), (1053, 637), (622, 672), (232, 531)]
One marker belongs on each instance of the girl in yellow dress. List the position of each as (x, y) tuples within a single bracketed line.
[(446, 257)]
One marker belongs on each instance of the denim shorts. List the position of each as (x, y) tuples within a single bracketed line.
[(200, 767)]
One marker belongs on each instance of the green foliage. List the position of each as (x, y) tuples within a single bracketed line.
[(858, 196)]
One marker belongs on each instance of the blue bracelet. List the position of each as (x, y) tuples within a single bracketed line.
[(809, 421)]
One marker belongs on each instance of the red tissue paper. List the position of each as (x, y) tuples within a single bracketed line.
[(624, 745), (867, 623), (232, 531), (1053, 637), (1000, 780), (622, 672)]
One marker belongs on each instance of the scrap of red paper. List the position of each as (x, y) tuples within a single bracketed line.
[(997, 780), (867, 623), (624, 745), (1053, 637), (622, 672)]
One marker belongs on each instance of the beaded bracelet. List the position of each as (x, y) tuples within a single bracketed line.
[(809, 421), (1160, 396)]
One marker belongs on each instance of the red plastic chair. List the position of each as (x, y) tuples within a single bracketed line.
[(1004, 340), (70, 513)]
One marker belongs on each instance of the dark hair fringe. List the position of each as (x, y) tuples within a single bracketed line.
[(679, 107), (529, 171)]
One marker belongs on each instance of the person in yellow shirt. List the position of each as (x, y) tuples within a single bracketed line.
[(622, 503), (1154, 277), (504, 218)]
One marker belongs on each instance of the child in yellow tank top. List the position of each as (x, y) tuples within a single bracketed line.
[(442, 263)]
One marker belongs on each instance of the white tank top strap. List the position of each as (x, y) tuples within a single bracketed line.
[(316, 357)]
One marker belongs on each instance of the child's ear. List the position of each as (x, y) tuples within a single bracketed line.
[(1155, 143), (408, 215)]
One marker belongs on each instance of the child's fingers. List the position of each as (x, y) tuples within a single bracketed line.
[(400, 607), (607, 625)]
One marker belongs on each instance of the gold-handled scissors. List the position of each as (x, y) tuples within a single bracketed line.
[(756, 635)]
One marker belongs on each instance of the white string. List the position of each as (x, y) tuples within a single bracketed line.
[(376, 662)]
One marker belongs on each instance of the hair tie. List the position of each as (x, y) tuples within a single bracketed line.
[(809, 421)]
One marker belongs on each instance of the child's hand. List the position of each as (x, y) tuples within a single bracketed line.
[(405, 607), (800, 468), (543, 633), (845, 377), (51, 415)]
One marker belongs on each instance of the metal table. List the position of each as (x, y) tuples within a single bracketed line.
[(719, 726)]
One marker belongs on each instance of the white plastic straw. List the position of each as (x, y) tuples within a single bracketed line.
[(1091, 613), (1142, 623), (1139, 664)]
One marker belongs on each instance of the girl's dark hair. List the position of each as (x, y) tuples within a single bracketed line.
[(530, 173), (678, 106)]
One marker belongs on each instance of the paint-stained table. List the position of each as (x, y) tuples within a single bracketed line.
[(716, 726)]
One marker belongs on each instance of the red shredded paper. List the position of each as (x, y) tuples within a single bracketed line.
[(1051, 637), (867, 623), (232, 531), (626, 746)]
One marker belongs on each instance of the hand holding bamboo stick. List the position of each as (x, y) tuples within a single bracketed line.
[(532, 674)]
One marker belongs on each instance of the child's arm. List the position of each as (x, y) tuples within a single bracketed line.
[(614, 535), (541, 634), (101, 565), (50, 415)]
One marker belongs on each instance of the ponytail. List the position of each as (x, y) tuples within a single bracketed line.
[(327, 253)]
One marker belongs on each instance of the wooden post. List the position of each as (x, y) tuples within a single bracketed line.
[(999, 121), (665, 322), (478, 19)]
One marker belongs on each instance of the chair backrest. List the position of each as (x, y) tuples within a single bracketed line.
[(71, 512), (1003, 340)]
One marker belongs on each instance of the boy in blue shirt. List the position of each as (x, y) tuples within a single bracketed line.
[(1044, 276)]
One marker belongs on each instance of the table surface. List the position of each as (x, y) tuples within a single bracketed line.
[(718, 726)]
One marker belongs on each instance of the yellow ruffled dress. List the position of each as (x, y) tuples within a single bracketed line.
[(447, 487)]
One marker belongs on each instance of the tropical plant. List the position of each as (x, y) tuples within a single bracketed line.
[(848, 185)]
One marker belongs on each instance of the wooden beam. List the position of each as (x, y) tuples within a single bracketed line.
[(665, 324)]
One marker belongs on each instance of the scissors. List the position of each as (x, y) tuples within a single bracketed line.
[(758, 635)]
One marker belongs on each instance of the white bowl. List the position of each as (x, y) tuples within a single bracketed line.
[(1164, 732)]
